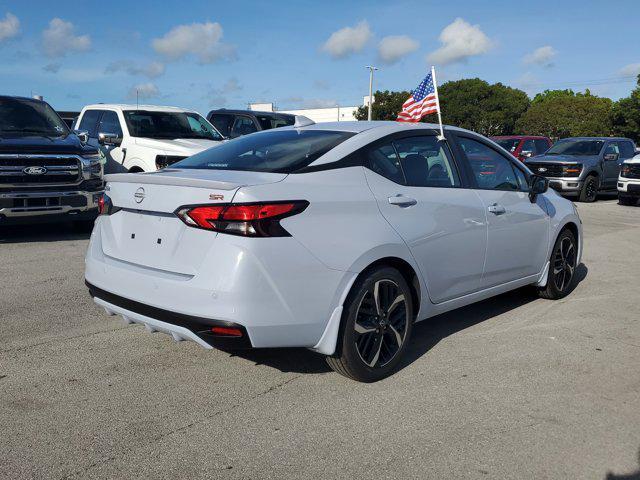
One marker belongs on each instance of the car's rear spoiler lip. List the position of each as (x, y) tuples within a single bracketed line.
[(155, 179)]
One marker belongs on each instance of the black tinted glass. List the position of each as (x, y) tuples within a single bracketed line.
[(24, 117), (171, 125), (282, 151), (222, 123), (509, 144), (110, 123), (89, 121), (577, 147), (274, 121), (492, 171)]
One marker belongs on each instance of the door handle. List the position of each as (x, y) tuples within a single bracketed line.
[(496, 209), (402, 201)]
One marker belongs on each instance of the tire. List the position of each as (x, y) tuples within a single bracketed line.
[(374, 334), (629, 201), (563, 264), (589, 191), (135, 170)]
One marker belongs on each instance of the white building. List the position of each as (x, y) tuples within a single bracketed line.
[(330, 114)]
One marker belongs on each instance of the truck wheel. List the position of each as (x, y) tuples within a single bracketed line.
[(627, 200), (589, 192), (377, 323)]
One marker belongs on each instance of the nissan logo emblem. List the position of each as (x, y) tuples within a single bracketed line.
[(139, 195), (34, 170)]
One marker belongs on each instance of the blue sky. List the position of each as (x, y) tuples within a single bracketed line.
[(205, 54)]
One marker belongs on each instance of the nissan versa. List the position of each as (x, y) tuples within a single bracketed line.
[(336, 237)]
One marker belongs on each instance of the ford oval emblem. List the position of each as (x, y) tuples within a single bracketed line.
[(542, 169), (34, 170), (139, 195)]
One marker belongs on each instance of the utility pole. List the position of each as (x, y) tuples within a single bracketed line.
[(371, 69)]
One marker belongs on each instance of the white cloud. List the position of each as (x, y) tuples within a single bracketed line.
[(59, 39), (9, 27), (303, 103), (203, 40), (633, 69), (231, 85), (151, 70), (528, 82), (541, 56), (143, 91), (460, 40), (348, 40), (394, 47)]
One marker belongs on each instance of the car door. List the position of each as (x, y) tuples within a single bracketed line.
[(222, 122), (419, 190), (110, 123), (89, 123), (611, 160), (518, 230)]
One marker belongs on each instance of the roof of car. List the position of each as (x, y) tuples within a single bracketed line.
[(358, 127), (249, 112), (604, 139), (521, 137), (148, 108), (24, 99)]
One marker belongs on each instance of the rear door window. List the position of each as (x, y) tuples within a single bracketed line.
[(627, 150), (89, 122), (425, 162), (528, 148)]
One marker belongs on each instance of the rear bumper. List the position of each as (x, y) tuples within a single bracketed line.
[(629, 187), (276, 291), (179, 326), (32, 206), (565, 186)]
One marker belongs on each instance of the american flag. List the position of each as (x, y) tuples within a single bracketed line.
[(422, 101)]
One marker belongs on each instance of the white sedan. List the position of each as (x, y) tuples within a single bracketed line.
[(337, 237)]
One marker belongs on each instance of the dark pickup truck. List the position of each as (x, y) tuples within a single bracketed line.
[(583, 166), (47, 172)]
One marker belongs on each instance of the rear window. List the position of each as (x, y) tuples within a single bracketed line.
[(278, 151)]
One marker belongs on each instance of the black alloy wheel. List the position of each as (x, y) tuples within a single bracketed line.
[(377, 324), (562, 267), (589, 192)]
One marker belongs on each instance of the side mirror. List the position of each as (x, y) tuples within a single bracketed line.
[(82, 135), (537, 186), (109, 139), (610, 157)]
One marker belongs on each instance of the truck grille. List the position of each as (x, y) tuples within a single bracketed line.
[(39, 170), (545, 169), (633, 171)]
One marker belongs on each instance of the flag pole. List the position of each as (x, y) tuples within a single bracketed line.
[(435, 88)]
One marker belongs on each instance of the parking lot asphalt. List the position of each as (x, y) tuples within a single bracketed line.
[(513, 387)]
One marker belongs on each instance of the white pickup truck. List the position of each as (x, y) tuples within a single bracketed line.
[(629, 181), (144, 138)]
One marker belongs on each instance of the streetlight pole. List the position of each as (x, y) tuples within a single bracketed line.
[(371, 69)]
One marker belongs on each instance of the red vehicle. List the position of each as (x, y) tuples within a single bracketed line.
[(523, 146)]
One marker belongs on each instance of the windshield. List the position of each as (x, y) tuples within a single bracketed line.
[(279, 151), (508, 144), (142, 123), (27, 117), (274, 121), (576, 147)]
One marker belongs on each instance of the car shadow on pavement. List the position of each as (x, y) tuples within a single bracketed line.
[(425, 335), (627, 476), (45, 232)]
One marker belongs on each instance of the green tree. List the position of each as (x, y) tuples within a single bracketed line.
[(470, 103), (386, 107), (563, 113), (625, 115)]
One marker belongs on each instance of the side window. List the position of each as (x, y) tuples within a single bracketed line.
[(627, 149), (541, 146), (109, 123), (384, 161), (612, 148), (528, 147), (522, 179), (222, 123), (243, 126), (89, 121), (491, 170), (425, 162)]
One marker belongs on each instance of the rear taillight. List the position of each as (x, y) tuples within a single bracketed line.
[(246, 219), (106, 206)]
